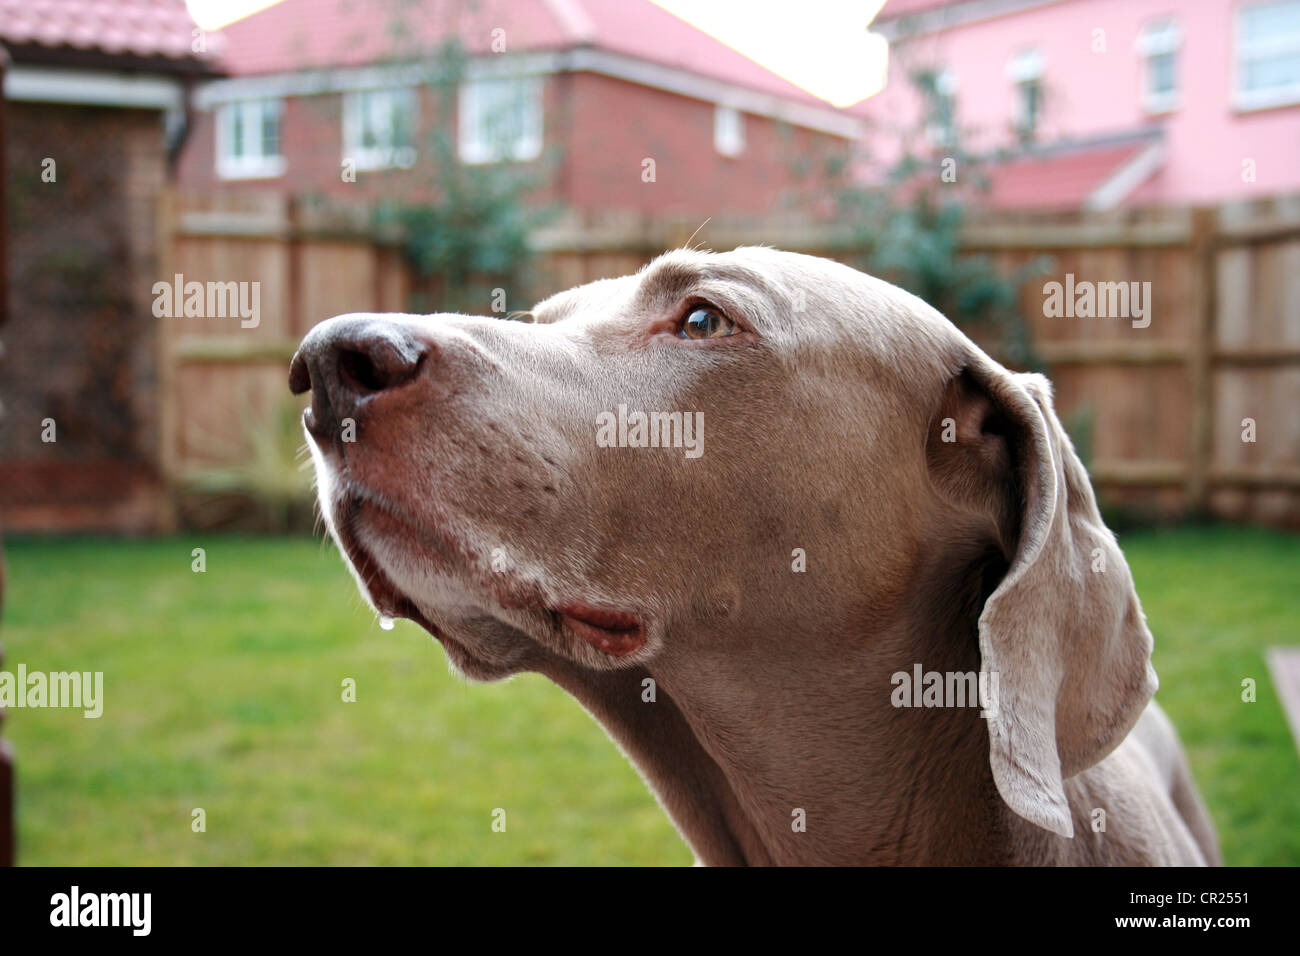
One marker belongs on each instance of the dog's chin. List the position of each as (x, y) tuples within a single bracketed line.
[(477, 645), (492, 624)]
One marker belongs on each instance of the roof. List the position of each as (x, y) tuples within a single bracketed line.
[(899, 17), (297, 35), (906, 8), (154, 30), (1068, 177)]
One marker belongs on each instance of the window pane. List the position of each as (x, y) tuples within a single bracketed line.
[(385, 119), (728, 131), (1272, 72), (500, 119), (366, 108), (404, 124), (270, 128), (1030, 103), (943, 111), (1160, 73), (1270, 21), (237, 129), (505, 119)]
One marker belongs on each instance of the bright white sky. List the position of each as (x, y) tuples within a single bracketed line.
[(820, 45)]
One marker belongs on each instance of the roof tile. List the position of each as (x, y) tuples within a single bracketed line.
[(142, 28), (310, 34)]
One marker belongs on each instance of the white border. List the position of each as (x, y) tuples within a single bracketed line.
[(36, 84)]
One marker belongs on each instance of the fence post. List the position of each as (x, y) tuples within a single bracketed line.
[(293, 214), (1204, 250)]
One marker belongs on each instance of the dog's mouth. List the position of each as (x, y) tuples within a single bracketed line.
[(614, 632), (617, 633), (387, 598)]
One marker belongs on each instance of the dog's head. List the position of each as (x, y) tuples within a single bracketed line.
[(722, 461)]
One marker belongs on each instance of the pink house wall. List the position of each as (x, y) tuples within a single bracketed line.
[(1090, 94)]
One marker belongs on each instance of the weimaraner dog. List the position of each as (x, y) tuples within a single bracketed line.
[(833, 579)]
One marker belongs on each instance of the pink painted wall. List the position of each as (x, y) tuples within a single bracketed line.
[(1091, 94)]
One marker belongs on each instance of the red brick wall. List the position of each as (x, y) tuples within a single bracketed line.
[(311, 134), (617, 125), (80, 344), (597, 131)]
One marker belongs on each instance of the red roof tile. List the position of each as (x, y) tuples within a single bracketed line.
[(140, 28), (1064, 180), (305, 34)]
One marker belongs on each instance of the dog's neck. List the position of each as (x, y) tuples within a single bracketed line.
[(853, 780)]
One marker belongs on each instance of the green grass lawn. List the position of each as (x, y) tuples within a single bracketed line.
[(223, 691)]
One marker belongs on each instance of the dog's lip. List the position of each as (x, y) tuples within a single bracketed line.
[(387, 598), (610, 630), (617, 633), (384, 594)]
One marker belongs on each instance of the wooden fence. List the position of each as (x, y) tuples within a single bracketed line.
[(1165, 412), (1199, 410)]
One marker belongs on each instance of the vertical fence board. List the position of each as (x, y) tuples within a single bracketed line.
[(1201, 357)]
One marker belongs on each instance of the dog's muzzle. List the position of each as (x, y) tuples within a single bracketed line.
[(346, 360)]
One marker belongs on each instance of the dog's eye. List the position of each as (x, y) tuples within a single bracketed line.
[(706, 322)]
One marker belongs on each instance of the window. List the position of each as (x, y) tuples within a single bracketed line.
[(1029, 107), (940, 90), (501, 119), (1268, 54), (1158, 45), (1026, 72), (248, 140), (728, 130), (379, 128)]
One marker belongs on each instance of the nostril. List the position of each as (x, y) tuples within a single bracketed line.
[(350, 358), (376, 366), (358, 370)]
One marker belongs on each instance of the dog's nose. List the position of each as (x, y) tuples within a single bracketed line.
[(346, 359)]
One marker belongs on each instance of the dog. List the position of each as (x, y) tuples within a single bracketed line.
[(864, 496)]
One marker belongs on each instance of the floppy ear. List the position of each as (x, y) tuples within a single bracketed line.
[(1063, 630)]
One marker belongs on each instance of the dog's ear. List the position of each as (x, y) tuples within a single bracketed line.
[(1063, 629)]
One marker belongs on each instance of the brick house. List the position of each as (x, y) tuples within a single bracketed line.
[(581, 92), (92, 94), (1107, 102)]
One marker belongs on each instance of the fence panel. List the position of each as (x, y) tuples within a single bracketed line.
[(1157, 407)]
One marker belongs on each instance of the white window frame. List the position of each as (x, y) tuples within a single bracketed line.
[(1262, 99), (728, 130), (1159, 38), (475, 96), (945, 85), (1027, 66), (384, 155), (250, 165)]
